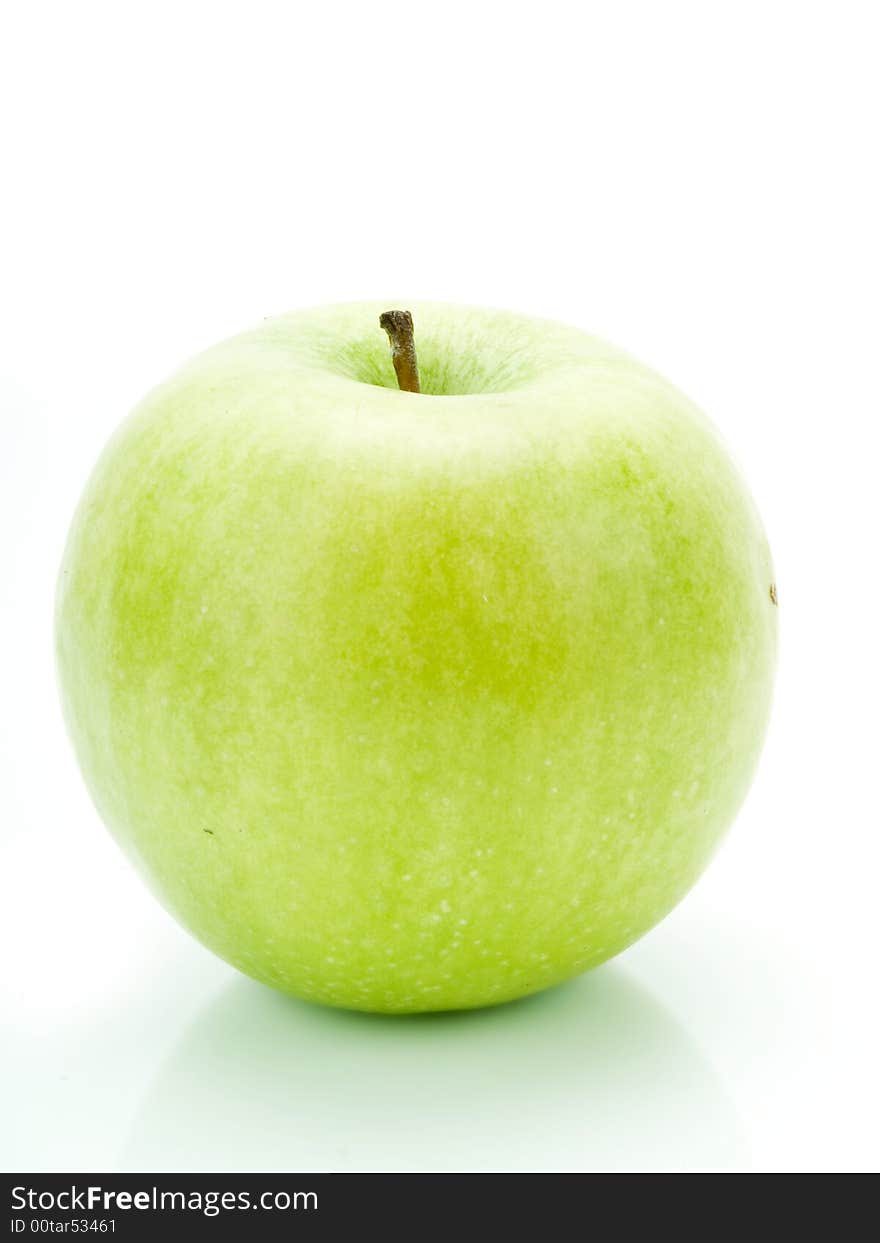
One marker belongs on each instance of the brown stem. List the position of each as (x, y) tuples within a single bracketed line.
[(399, 326)]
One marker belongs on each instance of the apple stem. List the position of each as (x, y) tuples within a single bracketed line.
[(399, 326)]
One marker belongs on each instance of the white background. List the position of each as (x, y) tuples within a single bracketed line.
[(695, 181)]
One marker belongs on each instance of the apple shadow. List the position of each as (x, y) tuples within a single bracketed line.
[(592, 1075)]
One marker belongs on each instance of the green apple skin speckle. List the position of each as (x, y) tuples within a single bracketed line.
[(410, 702)]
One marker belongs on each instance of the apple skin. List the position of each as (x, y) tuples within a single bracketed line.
[(411, 702)]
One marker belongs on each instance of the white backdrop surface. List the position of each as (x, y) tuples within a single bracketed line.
[(696, 182)]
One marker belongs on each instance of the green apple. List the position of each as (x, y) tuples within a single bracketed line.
[(416, 700)]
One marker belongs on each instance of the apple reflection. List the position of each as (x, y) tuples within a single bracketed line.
[(591, 1075)]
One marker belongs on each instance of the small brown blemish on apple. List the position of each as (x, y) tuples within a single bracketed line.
[(210, 832), (773, 593)]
